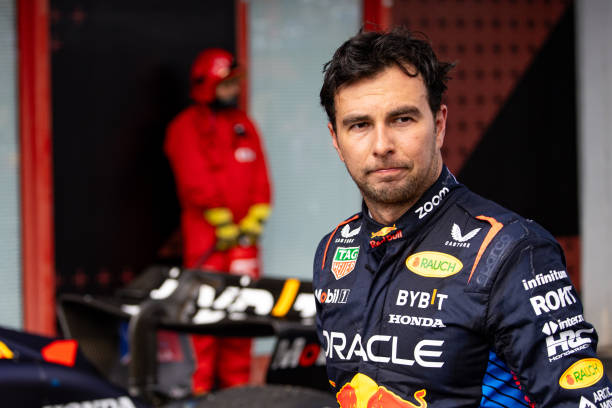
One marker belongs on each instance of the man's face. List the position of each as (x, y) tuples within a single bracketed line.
[(388, 138), (227, 91)]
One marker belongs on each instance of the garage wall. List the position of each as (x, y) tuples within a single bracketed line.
[(594, 68), (290, 40), (10, 249)]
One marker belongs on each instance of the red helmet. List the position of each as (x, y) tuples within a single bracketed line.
[(210, 67)]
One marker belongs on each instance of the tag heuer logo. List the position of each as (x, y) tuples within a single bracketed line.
[(344, 261)]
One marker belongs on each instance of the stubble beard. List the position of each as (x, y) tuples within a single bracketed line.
[(400, 193)]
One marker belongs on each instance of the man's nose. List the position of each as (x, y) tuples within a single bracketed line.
[(383, 141)]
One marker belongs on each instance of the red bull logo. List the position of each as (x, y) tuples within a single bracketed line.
[(363, 392), (383, 231), (374, 243)]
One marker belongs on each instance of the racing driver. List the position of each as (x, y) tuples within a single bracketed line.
[(433, 296)]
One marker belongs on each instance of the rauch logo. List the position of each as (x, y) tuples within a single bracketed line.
[(581, 374), (433, 264)]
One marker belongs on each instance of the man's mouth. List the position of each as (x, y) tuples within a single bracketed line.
[(387, 170)]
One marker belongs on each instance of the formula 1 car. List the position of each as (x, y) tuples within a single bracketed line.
[(110, 355)]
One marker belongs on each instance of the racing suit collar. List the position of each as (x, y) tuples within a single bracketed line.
[(411, 220)]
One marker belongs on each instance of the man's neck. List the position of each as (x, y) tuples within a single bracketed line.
[(387, 214)]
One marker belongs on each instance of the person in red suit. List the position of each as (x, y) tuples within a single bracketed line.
[(224, 191)]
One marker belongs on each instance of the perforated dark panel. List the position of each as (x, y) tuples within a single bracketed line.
[(493, 43), (511, 132)]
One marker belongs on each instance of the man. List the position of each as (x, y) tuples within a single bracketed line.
[(224, 191), (430, 288)]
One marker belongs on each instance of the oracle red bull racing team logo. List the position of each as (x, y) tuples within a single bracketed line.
[(344, 261), (363, 392)]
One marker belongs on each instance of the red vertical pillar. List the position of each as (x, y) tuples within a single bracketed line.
[(377, 15), (36, 166)]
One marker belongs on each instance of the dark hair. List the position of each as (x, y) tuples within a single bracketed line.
[(369, 53)]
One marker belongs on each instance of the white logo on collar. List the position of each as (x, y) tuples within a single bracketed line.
[(347, 233), (456, 234), (431, 204)]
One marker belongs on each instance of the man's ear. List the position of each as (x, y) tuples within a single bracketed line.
[(441, 125), (334, 140)]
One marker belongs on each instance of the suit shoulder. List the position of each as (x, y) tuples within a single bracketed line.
[(507, 233), (348, 228), (484, 209), (183, 116)]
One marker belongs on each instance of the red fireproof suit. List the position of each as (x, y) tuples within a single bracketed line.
[(218, 161)]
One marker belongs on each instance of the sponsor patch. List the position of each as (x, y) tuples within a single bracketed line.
[(553, 300), (460, 240), (543, 279), (344, 261), (567, 342), (603, 396), (419, 299), (362, 391), (346, 231), (551, 327), (340, 346), (415, 321), (431, 264), (374, 243), (583, 373), (383, 231), (585, 403), (348, 235), (428, 207), (332, 295)]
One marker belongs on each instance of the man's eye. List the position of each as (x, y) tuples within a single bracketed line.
[(359, 125), (403, 119)]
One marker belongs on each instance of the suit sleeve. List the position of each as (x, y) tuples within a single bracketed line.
[(537, 325), (316, 284), (196, 181)]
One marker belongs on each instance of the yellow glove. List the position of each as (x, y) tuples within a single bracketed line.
[(226, 231), (251, 226)]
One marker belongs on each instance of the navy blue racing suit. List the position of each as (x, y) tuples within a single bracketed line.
[(459, 303)]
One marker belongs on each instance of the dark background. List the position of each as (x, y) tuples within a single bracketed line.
[(120, 73)]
